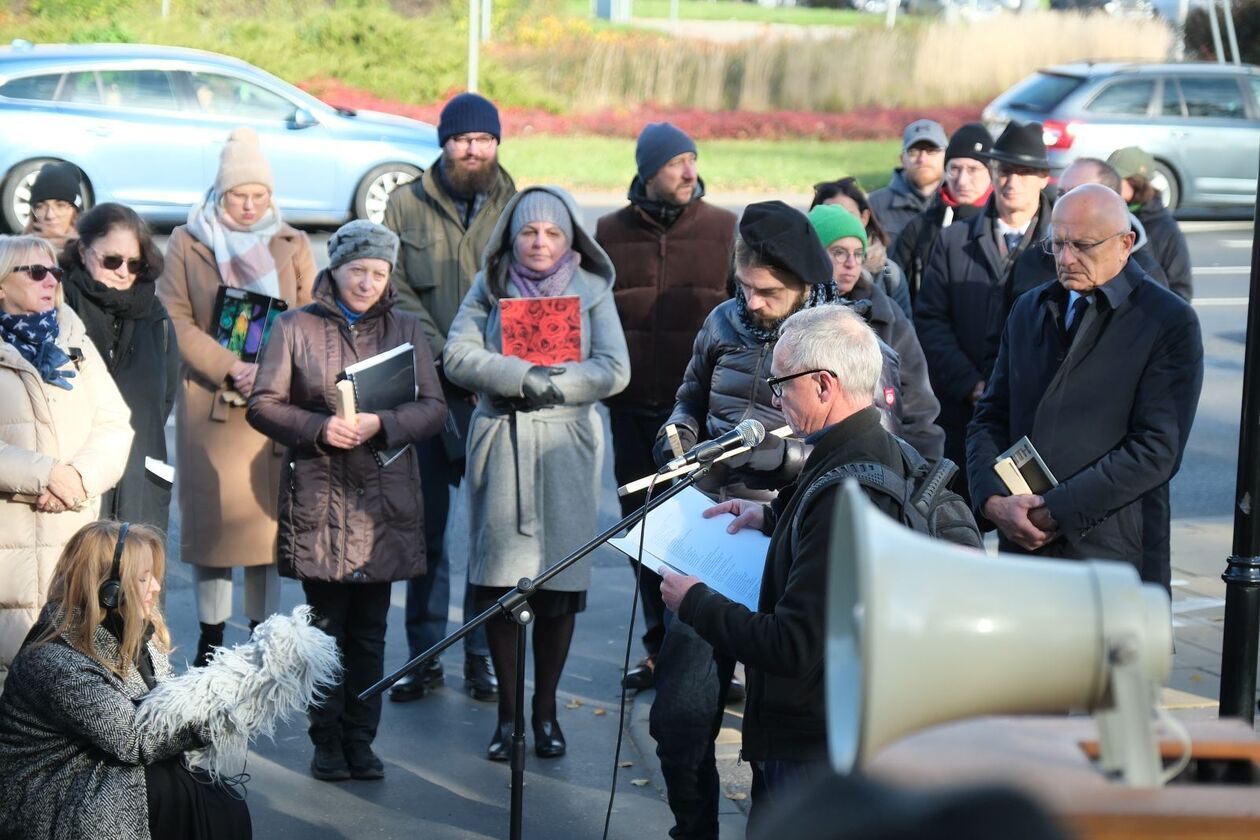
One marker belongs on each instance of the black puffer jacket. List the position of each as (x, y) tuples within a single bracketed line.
[(916, 406), (1168, 246)]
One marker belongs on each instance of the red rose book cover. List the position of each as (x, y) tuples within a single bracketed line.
[(545, 331)]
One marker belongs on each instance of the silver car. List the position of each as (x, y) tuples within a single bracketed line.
[(1200, 121), (145, 124)]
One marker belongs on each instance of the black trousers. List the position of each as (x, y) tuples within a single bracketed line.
[(634, 433), (354, 614)]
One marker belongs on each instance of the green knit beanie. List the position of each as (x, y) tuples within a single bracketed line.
[(832, 222)]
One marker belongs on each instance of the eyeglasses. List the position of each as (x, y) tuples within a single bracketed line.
[(1056, 247), (464, 141), (923, 151), (40, 272), (776, 382), (842, 256), (113, 262)]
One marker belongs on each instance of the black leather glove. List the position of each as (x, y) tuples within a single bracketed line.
[(661, 452), (766, 456), (539, 390)]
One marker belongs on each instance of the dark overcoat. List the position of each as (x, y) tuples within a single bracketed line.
[(1110, 415)]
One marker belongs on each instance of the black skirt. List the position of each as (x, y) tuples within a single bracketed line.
[(547, 603), (184, 803)]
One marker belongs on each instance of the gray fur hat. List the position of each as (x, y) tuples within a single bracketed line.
[(362, 239), (541, 206)]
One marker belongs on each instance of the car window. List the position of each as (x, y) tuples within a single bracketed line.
[(139, 89), (1255, 92), (1213, 97), (41, 88), (1043, 91), (1131, 97), (81, 87), (1170, 104), (229, 96)]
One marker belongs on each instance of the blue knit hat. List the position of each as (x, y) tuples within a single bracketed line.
[(658, 144), (468, 113)]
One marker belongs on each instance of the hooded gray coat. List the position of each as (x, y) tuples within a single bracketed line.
[(534, 478)]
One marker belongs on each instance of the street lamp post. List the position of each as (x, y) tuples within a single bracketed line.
[(1242, 575)]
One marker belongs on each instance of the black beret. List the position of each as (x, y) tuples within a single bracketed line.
[(784, 239)]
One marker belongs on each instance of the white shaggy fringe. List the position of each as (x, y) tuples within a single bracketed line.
[(245, 691)]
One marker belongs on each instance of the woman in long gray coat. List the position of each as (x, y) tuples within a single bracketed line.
[(535, 443)]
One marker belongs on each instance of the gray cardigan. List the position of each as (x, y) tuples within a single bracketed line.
[(71, 756)]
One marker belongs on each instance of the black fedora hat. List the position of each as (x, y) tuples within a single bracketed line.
[(1020, 145)]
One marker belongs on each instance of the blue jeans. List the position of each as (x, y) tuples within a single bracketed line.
[(429, 596), (691, 684)]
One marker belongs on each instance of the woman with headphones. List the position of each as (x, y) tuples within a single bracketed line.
[(75, 763)]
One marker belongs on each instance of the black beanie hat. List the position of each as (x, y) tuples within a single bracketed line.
[(658, 144), (972, 140), (468, 113), (784, 239), (56, 181)]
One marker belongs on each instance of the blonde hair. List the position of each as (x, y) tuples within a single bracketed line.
[(86, 563), (18, 250)]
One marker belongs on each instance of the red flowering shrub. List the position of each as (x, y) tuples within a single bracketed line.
[(862, 124)]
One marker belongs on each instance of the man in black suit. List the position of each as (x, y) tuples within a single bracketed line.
[(1101, 369)]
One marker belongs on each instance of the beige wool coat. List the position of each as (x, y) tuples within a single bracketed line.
[(42, 425), (228, 474)]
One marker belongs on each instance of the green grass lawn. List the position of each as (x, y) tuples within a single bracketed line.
[(607, 164), (739, 10)]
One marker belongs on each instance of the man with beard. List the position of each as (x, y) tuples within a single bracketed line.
[(780, 268), (973, 275), (915, 182), (966, 188), (444, 220), (672, 251), (1101, 369)]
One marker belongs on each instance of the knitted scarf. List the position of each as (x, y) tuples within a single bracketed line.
[(531, 284), (242, 254), (34, 336), (110, 315), (664, 212), (948, 197), (819, 294)]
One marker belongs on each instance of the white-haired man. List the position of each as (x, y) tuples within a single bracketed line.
[(823, 375)]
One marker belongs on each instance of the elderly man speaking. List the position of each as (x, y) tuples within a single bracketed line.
[(1101, 369), (823, 375)]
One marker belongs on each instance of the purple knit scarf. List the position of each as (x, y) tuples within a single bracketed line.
[(529, 283)]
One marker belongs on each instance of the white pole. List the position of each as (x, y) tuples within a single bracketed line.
[(1227, 12), (166, 9), (673, 13), (1216, 33), (486, 7), (890, 19), (474, 43)]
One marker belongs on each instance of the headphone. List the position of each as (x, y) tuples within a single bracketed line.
[(110, 593)]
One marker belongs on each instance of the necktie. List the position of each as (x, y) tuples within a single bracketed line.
[(1012, 241), (1075, 316)]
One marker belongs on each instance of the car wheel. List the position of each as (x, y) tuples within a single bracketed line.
[(373, 192), (1165, 180), (15, 197)]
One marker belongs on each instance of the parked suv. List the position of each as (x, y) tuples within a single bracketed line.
[(145, 124), (1200, 121)]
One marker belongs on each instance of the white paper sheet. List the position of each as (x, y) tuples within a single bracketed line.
[(161, 469), (679, 536)]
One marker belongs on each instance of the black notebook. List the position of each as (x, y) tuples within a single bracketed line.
[(382, 383)]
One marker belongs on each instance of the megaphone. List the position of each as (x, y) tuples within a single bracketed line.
[(920, 632)]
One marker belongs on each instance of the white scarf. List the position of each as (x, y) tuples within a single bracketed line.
[(243, 255)]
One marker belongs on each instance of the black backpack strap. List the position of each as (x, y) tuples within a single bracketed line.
[(867, 473)]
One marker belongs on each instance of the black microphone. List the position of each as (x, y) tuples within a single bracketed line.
[(748, 433)]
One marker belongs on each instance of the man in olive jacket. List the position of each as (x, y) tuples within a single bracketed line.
[(672, 253), (444, 220), (823, 375)]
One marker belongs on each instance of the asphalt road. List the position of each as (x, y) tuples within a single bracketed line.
[(438, 783)]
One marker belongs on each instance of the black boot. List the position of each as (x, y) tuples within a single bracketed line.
[(211, 637)]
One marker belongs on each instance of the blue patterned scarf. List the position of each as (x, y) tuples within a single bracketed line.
[(819, 294), (34, 336)]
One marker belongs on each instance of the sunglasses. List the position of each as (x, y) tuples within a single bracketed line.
[(40, 272), (113, 262)]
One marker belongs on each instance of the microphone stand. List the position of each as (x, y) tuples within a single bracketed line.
[(514, 606)]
